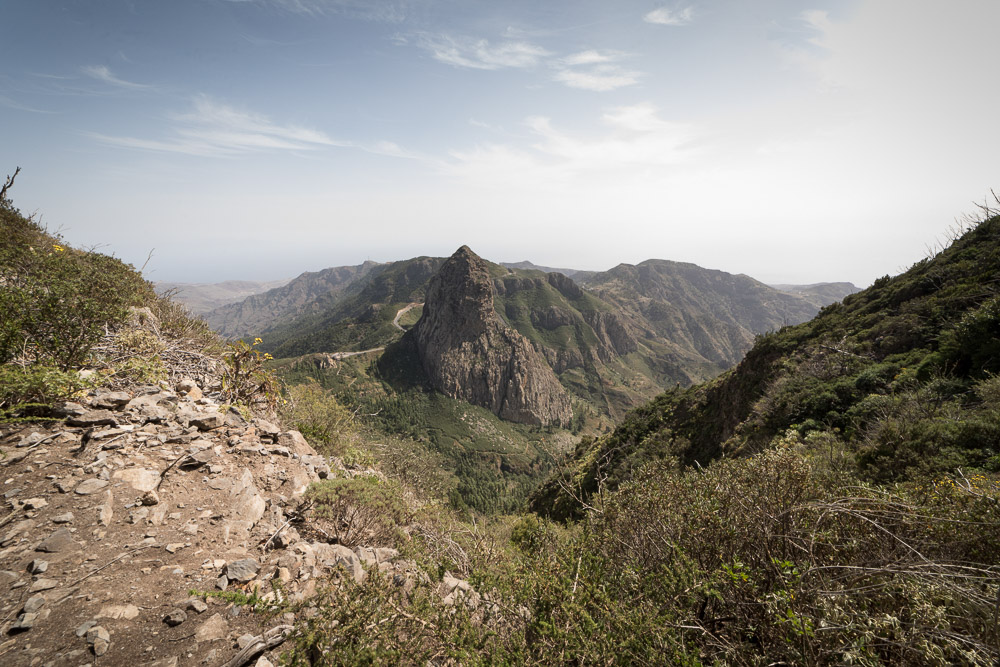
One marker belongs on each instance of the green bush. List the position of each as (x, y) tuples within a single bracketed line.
[(246, 382), (27, 391), (57, 302), (360, 510), (319, 416)]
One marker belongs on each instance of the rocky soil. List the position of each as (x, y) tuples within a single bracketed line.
[(120, 518)]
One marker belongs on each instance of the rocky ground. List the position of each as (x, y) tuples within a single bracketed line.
[(121, 518)]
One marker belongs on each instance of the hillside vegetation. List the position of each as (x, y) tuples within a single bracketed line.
[(898, 378), (843, 509)]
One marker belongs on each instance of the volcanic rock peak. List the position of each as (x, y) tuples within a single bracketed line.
[(468, 352)]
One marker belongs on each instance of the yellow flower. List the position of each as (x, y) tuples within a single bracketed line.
[(267, 356), (58, 248), (257, 341)]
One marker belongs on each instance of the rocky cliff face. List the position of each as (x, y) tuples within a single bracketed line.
[(468, 352)]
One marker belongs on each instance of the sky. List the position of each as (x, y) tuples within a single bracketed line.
[(793, 141)]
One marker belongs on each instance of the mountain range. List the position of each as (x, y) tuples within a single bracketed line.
[(613, 338)]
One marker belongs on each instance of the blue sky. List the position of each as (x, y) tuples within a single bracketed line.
[(256, 139)]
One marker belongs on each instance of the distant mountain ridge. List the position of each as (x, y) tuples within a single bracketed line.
[(201, 298), (614, 338), (309, 292), (820, 294)]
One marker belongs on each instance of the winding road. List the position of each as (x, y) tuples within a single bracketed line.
[(402, 311), (395, 322)]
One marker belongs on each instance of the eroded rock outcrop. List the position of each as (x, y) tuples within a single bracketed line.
[(468, 352)]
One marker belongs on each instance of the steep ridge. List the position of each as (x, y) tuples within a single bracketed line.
[(363, 316), (308, 293), (899, 378), (468, 352), (712, 313)]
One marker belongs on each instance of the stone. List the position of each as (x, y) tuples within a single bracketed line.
[(197, 606), (111, 399), (174, 547), (92, 418), (162, 662), (242, 570), (24, 622), (38, 566), (296, 442), (105, 512), (66, 517), (150, 498), (60, 540), (245, 640), (89, 486), (334, 555), (140, 479), (214, 628), (119, 611), (40, 503), (266, 429), (208, 421), (99, 640), (34, 603), (386, 554), (197, 458), (263, 662), (175, 617), (84, 627)]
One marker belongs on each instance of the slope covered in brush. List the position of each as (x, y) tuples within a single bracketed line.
[(898, 378), (310, 292)]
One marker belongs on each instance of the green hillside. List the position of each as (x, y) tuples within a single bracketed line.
[(898, 379), (361, 319)]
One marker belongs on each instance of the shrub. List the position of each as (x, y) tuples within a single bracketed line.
[(360, 510), (27, 391), (57, 302), (246, 382), (319, 416)]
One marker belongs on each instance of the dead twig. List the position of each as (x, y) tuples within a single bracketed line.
[(163, 475)]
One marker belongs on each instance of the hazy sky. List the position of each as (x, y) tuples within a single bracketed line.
[(255, 139)]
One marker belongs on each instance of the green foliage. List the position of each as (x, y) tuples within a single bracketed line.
[(55, 301), (26, 392), (360, 510), (319, 416), (889, 375), (246, 382), (748, 562)]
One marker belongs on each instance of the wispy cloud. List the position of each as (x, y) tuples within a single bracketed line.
[(635, 138), (102, 73), (481, 54), (214, 129), (664, 16), (593, 70), (591, 57), (389, 11), (599, 79), (14, 104)]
